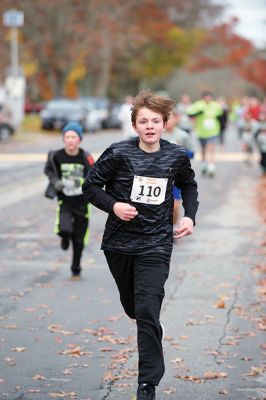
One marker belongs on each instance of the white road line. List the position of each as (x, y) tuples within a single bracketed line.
[(31, 157), (14, 193), (41, 157)]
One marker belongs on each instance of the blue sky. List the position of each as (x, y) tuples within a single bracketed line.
[(252, 19)]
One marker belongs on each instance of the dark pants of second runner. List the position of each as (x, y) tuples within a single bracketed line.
[(73, 224), (140, 280)]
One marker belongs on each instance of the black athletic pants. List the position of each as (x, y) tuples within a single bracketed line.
[(140, 280), (73, 223)]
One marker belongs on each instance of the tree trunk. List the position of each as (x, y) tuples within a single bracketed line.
[(103, 76)]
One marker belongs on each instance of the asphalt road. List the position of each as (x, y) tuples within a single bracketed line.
[(62, 338)]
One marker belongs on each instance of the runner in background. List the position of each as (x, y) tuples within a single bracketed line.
[(260, 140), (178, 136), (125, 117), (206, 113), (181, 108), (223, 119), (66, 169)]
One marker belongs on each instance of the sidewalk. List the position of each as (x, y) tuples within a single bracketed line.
[(213, 311)]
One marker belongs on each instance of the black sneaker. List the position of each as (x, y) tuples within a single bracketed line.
[(65, 243), (146, 392), (76, 270)]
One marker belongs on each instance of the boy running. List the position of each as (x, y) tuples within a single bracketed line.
[(138, 175), (66, 169), (206, 113)]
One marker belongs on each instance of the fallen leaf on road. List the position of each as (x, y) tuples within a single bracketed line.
[(19, 349), (110, 377), (67, 371), (44, 285), (59, 329), (121, 385), (38, 377), (74, 298), (223, 391), (10, 361), (120, 359), (169, 390), (178, 360), (106, 349), (115, 318), (193, 322), (107, 338), (220, 303), (230, 341), (213, 352), (259, 269), (210, 318), (11, 326), (255, 371), (63, 394), (102, 331), (183, 337), (31, 309), (214, 375), (262, 291), (261, 282), (75, 351), (191, 378)]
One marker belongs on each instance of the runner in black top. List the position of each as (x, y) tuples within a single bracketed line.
[(138, 175), (66, 169)]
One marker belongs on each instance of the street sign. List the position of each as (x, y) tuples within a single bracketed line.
[(13, 18)]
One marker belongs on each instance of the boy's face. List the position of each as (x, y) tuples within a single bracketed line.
[(71, 140), (149, 126)]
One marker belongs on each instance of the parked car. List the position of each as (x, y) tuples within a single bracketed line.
[(93, 119), (112, 120), (97, 111), (59, 112), (33, 107), (7, 128), (6, 132)]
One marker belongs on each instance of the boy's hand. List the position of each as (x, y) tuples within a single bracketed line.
[(185, 228), (58, 185), (124, 211)]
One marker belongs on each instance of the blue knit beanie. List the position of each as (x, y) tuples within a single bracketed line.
[(74, 126)]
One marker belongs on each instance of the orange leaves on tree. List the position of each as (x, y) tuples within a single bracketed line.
[(255, 72), (221, 47)]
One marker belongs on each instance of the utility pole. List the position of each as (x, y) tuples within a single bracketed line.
[(15, 81)]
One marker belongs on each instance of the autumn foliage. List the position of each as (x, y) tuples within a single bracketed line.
[(222, 47), (76, 47)]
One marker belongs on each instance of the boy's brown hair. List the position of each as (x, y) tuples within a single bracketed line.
[(154, 102)]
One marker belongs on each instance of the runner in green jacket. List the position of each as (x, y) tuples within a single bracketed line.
[(207, 126)]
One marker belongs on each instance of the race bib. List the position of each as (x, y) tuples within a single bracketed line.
[(209, 123), (72, 186), (148, 190)]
